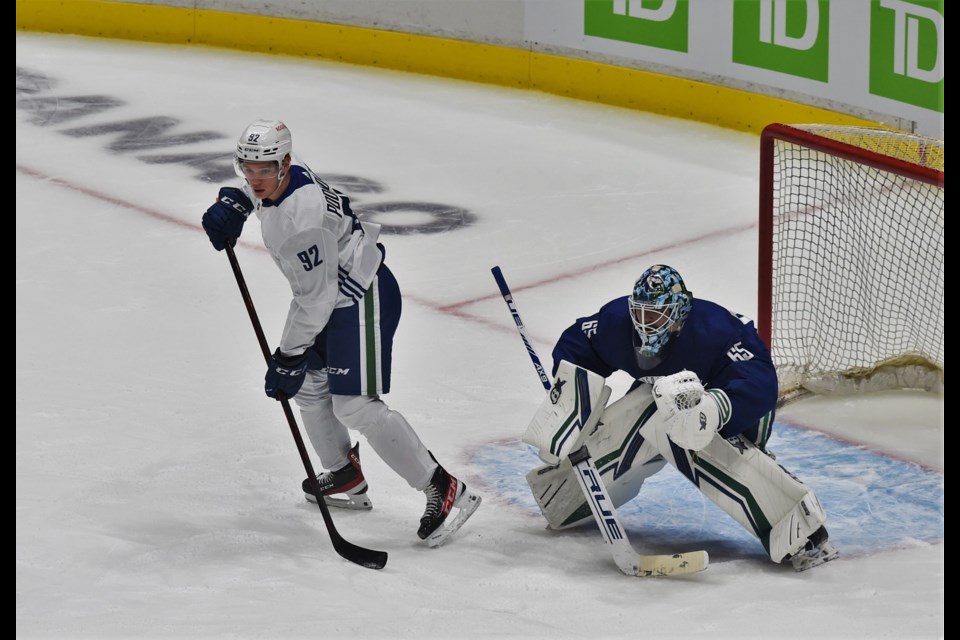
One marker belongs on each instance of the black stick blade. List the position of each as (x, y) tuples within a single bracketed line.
[(359, 555)]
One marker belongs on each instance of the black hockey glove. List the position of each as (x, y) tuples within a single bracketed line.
[(224, 220), (285, 374)]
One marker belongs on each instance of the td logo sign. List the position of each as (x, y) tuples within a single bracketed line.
[(788, 36), (662, 25), (906, 51), (894, 47)]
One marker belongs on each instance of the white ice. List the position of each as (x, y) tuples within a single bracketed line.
[(158, 489)]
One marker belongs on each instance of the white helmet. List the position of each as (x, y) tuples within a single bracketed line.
[(264, 141)]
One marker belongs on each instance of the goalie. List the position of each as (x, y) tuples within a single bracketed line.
[(703, 401)]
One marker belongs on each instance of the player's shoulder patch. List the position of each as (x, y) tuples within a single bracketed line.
[(589, 327)]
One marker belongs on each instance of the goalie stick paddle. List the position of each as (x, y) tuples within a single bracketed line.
[(359, 555), (626, 559)]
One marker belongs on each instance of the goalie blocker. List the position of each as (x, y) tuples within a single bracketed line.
[(633, 438)]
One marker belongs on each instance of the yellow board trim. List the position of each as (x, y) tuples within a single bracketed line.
[(506, 66)]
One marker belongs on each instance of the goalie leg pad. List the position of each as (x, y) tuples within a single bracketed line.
[(746, 482), (568, 413), (621, 454), (790, 534), (561, 500)]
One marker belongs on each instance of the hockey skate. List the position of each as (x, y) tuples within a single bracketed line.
[(445, 493), (817, 551), (344, 488)]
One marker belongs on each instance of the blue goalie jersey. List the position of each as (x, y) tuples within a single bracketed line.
[(722, 348)]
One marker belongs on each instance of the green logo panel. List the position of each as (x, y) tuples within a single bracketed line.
[(654, 23), (791, 37), (906, 51)]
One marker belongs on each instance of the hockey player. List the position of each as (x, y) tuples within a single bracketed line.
[(703, 400), (334, 357)]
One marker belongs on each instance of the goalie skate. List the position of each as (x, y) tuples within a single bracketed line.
[(444, 494), (817, 551), (344, 488)]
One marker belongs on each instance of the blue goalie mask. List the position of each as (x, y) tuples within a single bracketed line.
[(659, 305)]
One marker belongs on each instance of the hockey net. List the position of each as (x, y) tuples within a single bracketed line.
[(851, 259)]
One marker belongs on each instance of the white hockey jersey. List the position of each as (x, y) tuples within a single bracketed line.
[(328, 256)]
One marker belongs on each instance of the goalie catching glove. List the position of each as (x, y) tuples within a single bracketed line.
[(691, 414)]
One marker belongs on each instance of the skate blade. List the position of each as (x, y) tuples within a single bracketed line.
[(359, 502), (468, 503), (825, 554)]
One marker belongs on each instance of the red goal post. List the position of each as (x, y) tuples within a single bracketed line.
[(850, 293)]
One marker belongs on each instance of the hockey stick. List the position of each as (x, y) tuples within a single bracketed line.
[(626, 559), (359, 555)]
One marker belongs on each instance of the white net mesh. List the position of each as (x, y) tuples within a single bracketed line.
[(857, 260)]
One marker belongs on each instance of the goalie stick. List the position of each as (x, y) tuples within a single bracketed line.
[(627, 560), (364, 557)]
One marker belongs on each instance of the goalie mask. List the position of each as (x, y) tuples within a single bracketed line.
[(659, 305), (263, 141)]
